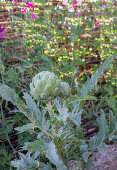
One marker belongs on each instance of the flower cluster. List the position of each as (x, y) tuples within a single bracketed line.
[(17, 0), (2, 34), (28, 5), (72, 8)]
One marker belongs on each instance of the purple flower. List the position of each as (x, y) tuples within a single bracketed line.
[(75, 2), (23, 10), (33, 16), (98, 13), (77, 14), (29, 5), (102, 7), (1, 29), (74, 75), (2, 35), (16, 0), (98, 22)]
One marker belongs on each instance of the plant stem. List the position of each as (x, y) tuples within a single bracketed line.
[(64, 102), (54, 129), (49, 108), (6, 133)]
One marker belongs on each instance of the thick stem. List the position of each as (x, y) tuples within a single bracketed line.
[(49, 108), (64, 102), (54, 128)]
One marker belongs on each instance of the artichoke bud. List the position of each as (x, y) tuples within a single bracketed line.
[(45, 86), (65, 90)]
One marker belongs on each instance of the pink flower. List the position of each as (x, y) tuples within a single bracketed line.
[(23, 10), (2, 35), (29, 5), (102, 7), (74, 75), (98, 13), (16, 0), (77, 14), (75, 2), (98, 22), (33, 16)]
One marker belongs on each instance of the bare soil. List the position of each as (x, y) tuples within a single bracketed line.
[(107, 161)]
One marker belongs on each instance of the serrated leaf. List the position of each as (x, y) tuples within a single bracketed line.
[(32, 106), (102, 128), (9, 94), (43, 166), (111, 121), (26, 161), (102, 148), (83, 98), (76, 118), (86, 156), (63, 114), (86, 88), (24, 128), (51, 154), (93, 143), (35, 146), (90, 83), (93, 80)]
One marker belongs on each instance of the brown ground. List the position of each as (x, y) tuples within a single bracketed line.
[(107, 161)]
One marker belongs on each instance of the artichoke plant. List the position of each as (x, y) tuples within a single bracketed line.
[(45, 86), (65, 90)]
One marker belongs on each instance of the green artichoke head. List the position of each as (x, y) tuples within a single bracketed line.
[(65, 90), (45, 86)]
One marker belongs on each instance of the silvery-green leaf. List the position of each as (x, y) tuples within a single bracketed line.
[(93, 143), (34, 109), (35, 146), (102, 148), (9, 94), (25, 162), (24, 128), (90, 83), (76, 118), (51, 154), (63, 114), (86, 156)]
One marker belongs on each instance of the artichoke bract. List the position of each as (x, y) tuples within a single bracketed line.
[(45, 86), (65, 90)]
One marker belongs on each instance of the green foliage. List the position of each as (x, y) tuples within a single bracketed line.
[(91, 82), (24, 128), (5, 157), (60, 42), (11, 96), (51, 154), (110, 97), (58, 128), (26, 162)]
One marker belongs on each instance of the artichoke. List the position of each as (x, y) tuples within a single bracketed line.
[(65, 90), (45, 86)]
